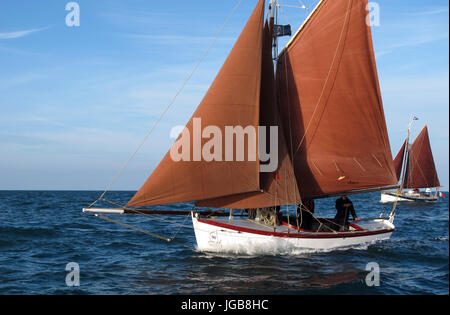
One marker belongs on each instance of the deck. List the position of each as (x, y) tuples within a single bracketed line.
[(373, 226)]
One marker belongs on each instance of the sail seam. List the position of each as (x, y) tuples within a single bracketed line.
[(373, 155), (359, 164), (317, 168)]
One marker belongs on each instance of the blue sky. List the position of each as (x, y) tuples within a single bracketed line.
[(77, 101)]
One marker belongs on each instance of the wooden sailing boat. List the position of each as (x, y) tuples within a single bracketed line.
[(415, 169), (332, 139)]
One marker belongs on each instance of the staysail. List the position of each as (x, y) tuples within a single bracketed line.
[(278, 187), (232, 100), (331, 104), (420, 169)]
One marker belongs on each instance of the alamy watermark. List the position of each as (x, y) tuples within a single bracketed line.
[(73, 17), (73, 277), (230, 146), (373, 18), (373, 277)]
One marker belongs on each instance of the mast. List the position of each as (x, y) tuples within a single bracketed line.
[(406, 157), (398, 162), (272, 9), (273, 19)]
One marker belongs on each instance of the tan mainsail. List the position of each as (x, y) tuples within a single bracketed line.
[(398, 161), (279, 187), (232, 100), (420, 169), (331, 104)]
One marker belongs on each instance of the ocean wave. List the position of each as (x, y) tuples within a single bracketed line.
[(442, 238), (8, 231)]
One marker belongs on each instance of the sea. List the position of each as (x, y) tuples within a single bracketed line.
[(48, 246)]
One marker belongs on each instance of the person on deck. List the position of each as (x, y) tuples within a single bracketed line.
[(306, 214), (278, 215), (344, 207), (251, 213)]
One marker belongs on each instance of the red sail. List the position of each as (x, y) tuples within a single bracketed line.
[(232, 100), (421, 171), (331, 103), (398, 161), (278, 187)]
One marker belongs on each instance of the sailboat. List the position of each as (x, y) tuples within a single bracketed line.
[(322, 111), (415, 169)]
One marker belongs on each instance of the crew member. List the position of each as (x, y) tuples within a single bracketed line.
[(306, 214), (344, 207)]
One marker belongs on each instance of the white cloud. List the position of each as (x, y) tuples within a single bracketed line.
[(434, 11), (18, 34), (418, 40), (20, 79)]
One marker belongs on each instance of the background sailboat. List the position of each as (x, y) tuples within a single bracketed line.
[(332, 138), (415, 169)]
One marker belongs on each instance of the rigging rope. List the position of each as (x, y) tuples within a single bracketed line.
[(314, 217), (169, 105), (137, 211), (404, 170), (133, 228), (173, 238)]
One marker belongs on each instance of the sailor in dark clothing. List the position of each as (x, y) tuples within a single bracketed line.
[(306, 214), (344, 207), (251, 213), (278, 215)]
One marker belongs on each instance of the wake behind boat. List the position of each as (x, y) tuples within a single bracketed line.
[(297, 123)]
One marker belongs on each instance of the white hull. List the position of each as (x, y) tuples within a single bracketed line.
[(387, 197), (245, 237)]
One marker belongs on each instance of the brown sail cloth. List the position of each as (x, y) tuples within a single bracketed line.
[(421, 171), (232, 100), (331, 104), (278, 187)]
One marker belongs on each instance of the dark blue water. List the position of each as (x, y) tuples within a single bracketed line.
[(42, 231)]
